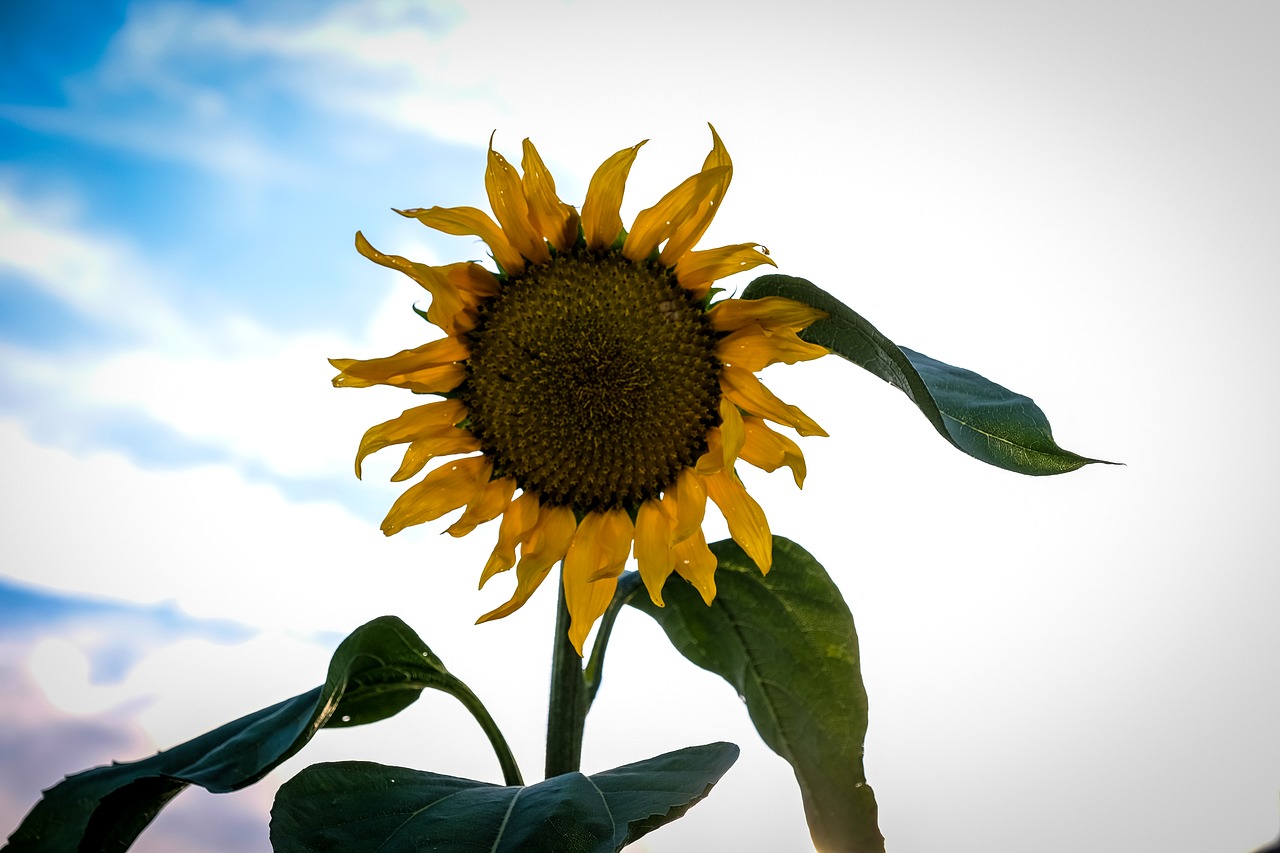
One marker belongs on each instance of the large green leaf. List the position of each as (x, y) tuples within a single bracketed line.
[(358, 805), (786, 643), (985, 420), (376, 672)]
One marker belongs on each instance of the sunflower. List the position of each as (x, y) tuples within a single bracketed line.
[(593, 375)]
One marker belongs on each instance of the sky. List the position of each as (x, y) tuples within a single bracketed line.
[(1079, 201)]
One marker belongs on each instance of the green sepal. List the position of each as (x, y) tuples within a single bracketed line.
[(786, 643), (376, 672), (358, 805), (983, 419)]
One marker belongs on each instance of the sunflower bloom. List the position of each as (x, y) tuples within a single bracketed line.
[(603, 397)]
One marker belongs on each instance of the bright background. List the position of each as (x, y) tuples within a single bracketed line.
[(1080, 201)]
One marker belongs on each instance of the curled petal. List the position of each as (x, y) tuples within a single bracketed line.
[(771, 312), (747, 523), (554, 219), (743, 388), (456, 289), (544, 545), (769, 451), (506, 197), (470, 221), (655, 534), (688, 496), (418, 422), (755, 348), (655, 224), (601, 223), (696, 564), (697, 270), (521, 515), (362, 373), (489, 502), (692, 228), (446, 488)]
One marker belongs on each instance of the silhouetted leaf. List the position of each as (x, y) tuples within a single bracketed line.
[(985, 420), (358, 805), (786, 643)]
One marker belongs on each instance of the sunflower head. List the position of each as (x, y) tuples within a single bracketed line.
[(594, 397)]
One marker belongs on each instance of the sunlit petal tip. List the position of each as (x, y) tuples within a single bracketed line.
[(490, 502), (511, 207), (520, 515), (471, 222), (412, 424), (754, 348), (695, 563), (551, 217), (601, 222), (769, 451), (747, 523), (745, 389), (444, 489), (771, 312), (654, 536)]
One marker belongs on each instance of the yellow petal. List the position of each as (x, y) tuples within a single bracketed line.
[(591, 568), (697, 270), (655, 534), (691, 228), (506, 197), (422, 450), (489, 503), (655, 224), (732, 434), (444, 489), (545, 544), (747, 523), (688, 496), (755, 348), (470, 221), (713, 460), (456, 289), (554, 219), (601, 223), (771, 312), (696, 564), (361, 373), (742, 387), (417, 422), (769, 451), (519, 517)]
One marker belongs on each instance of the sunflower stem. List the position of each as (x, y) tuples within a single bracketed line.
[(567, 711)]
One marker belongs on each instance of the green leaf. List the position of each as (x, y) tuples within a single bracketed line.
[(358, 805), (786, 643), (985, 420), (377, 671)]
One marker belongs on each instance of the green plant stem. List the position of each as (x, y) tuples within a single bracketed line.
[(510, 770), (628, 584), (567, 711)]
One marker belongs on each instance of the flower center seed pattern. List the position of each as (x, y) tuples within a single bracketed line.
[(592, 380)]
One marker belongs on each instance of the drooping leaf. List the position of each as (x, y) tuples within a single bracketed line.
[(786, 643), (358, 805), (376, 672), (985, 420)]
